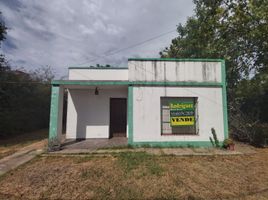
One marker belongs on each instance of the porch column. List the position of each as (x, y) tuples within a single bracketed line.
[(56, 109), (130, 114)]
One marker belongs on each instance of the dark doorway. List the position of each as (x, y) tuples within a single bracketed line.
[(118, 117)]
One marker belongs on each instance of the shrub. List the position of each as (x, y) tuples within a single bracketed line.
[(227, 142), (260, 135)]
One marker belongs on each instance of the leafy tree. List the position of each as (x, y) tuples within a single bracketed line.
[(236, 31), (24, 97), (24, 100), (3, 28)]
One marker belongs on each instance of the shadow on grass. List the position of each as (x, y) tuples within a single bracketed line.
[(24, 138)]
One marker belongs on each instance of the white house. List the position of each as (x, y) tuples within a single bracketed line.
[(155, 102)]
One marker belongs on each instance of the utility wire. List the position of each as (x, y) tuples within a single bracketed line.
[(106, 54)]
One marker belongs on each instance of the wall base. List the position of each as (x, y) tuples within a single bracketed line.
[(173, 144)]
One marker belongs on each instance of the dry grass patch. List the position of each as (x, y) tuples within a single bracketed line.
[(11, 145), (140, 176)]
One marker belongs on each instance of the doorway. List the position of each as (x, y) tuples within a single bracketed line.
[(118, 117)]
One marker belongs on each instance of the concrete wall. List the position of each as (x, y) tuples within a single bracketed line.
[(98, 74), (88, 115), (174, 71), (147, 117)]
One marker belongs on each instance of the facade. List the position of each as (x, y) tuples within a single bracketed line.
[(154, 102)]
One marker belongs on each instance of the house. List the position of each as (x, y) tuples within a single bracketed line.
[(156, 102)]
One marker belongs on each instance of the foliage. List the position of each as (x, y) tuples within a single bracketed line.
[(3, 29), (25, 102), (228, 142), (225, 29), (236, 31), (215, 142), (212, 142), (260, 135), (24, 97), (101, 66)]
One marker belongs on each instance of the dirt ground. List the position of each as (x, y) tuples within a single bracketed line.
[(12, 145), (139, 176)]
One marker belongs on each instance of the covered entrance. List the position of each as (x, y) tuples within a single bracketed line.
[(95, 110)]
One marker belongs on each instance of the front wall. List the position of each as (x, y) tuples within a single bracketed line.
[(170, 71), (98, 74), (147, 119), (88, 115)]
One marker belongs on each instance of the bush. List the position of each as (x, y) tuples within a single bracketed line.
[(260, 135), (227, 143), (24, 100)]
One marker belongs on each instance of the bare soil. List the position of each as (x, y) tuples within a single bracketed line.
[(138, 175)]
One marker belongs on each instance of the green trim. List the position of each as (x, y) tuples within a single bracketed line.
[(224, 99), (177, 59), (130, 114), (54, 107), (97, 67), (78, 82), (193, 84), (175, 144), (161, 115)]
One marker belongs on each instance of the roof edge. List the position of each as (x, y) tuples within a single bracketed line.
[(73, 67), (178, 59)]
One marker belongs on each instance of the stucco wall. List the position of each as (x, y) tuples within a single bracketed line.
[(88, 115), (98, 74), (147, 119), (171, 71)]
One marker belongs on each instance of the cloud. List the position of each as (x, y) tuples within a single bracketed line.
[(70, 32)]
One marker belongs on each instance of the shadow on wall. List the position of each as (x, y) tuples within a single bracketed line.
[(92, 111)]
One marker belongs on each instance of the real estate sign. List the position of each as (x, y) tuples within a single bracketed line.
[(182, 113)]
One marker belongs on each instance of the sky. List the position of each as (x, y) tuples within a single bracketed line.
[(63, 33)]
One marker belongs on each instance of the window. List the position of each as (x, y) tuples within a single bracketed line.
[(179, 116)]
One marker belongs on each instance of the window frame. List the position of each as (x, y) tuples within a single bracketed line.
[(196, 125)]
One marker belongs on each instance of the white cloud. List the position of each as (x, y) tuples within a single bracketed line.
[(68, 32)]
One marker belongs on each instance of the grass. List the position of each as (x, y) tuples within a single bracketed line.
[(24, 138), (130, 161), (91, 173), (11, 145), (137, 175)]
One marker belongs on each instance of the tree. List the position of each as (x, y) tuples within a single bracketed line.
[(3, 29), (24, 97), (236, 31)]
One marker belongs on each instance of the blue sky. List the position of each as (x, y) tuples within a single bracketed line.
[(63, 33)]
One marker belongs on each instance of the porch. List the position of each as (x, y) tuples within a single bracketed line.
[(96, 110), (89, 145)]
